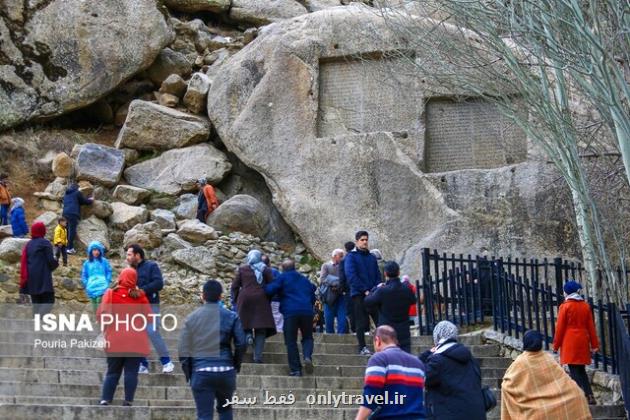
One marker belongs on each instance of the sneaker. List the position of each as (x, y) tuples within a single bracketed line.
[(168, 368), (143, 369), (308, 366), (365, 352), (103, 402), (250, 340), (71, 251), (295, 373), (127, 404)]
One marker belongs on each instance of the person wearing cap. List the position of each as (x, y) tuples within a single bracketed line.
[(575, 336), (36, 267), (452, 378), (206, 200), (535, 387), (392, 301)]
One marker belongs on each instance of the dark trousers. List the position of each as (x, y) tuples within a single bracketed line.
[(208, 387), (73, 222), (578, 374), (115, 367), (292, 324), (362, 319), (259, 335), (43, 303), (350, 312), (4, 214), (60, 250)]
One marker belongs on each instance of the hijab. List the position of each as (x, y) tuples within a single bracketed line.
[(254, 259)]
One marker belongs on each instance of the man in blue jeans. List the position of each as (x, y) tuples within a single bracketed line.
[(297, 297), (205, 352), (150, 280), (334, 301)]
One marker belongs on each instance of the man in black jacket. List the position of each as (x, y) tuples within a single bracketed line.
[(72, 202), (348, 246), (205, 352), (150, 280), (37, 265), (392, 300)]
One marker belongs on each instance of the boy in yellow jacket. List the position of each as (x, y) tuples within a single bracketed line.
[(60, 241)]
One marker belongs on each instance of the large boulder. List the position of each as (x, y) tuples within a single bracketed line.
[(131, 195), (347, 140), (195, 6), (100, 164), (148, 235), (197, 92), (263, 12), (49, 219), (167, 173), (173, 242), (55, 190), (125, 216), (92, 229), (151, 126), (196, 232), (198, 258), (11, 249), (50, 70), (241, 213), (62, 165), (5, 231), (164, 218), (186, 206), (99, 208)]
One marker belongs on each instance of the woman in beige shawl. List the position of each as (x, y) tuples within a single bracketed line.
[(535, 387)]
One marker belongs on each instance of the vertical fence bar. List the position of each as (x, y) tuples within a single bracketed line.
[(528, 301), (536, 306), (602, 333), (592, 305), (426, 272), (544, 316), (611, 331), (453, 292), (552, 308), (522, 303), (557, 266)]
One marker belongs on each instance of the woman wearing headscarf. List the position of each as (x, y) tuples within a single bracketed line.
[(251, 301), (36, 267), (576, 336), (452, 378), (125, 345), (535, 387)]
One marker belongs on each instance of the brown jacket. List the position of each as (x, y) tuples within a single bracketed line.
[(252, 303), (5, 196)]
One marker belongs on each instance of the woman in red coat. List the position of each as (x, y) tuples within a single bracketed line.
[(576, 336), (126, 344)]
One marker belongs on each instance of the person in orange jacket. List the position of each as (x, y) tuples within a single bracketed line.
[(5, 200), (206, 200), (576, 336)]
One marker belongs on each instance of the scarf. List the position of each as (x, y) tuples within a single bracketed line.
[(574, 296), (254, 260)]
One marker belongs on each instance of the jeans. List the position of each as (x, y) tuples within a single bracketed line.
[(4, 214), (291, 325), (73, 222), (210, 386), (156, 338), (362, 319), (578, 374), (115, 366), (259, 335), (43, 303), (337, 310)]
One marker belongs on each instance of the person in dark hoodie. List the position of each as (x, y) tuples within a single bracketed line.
[(72, 202), (348, 246), (392, 300), (362, 273), (453, 380), (37, 265)]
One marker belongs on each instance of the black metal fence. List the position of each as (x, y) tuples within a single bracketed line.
[(515, 295)]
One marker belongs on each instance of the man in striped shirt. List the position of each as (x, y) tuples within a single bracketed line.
[(394, 381)]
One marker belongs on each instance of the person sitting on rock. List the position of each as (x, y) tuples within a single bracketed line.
[(18, 218), (297, 297), (96, 274), (207, 200), (72, 202)]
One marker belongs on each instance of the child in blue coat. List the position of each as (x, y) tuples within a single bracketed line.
[(96, 274), (18, 219)]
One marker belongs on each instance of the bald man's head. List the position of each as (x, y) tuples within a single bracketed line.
[(385, 336)]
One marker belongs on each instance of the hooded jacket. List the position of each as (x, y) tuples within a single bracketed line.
[(452, 383), (97, 272), (73, 200), (120, 304), (61, 236), (37, 263), (296, 292), (18, 218), (5, 195), (362, 271)]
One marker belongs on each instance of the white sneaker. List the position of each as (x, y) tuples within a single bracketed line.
[(143, 369), (168, 368)]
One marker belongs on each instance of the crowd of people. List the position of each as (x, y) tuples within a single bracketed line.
[(357, 287)]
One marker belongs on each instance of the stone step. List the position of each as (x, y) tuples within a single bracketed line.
[(328, 353), (86, 363), (44, 412)]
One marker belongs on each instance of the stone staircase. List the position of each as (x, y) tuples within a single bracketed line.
[(62, 383)]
